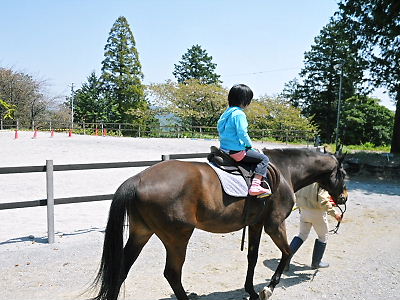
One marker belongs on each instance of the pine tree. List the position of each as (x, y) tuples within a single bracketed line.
[(122, 72), (89, 103), (317, 90), (196, 64)]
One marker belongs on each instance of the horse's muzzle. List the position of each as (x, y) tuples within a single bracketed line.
[(342, 197)]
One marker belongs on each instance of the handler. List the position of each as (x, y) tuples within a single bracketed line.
[(314, 204)]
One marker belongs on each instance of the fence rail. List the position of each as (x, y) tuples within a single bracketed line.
[(77, 167), (284, 134), (49, 168)]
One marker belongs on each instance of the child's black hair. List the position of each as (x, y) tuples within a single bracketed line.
[(240, 95)]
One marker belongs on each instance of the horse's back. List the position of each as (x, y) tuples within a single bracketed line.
[(186, 193), (174, 174), (174, 188)]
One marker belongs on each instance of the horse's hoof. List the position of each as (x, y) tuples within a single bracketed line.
[(251, 298), (193, 296), (265, 293)]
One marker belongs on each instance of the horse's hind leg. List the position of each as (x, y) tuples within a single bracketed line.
[(176, 246), (136, 241)]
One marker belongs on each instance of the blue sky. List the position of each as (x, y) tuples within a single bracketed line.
[(258, 42)]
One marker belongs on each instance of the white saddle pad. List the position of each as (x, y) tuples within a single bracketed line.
[(233, 185)]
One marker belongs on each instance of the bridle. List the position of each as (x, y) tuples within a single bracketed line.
[(342, 196)]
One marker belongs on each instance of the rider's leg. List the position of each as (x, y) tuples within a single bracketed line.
[(256, 189), (261, 170)]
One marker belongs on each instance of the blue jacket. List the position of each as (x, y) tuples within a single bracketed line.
[(232, 129)]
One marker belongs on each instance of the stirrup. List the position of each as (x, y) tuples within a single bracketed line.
[(264, 195)]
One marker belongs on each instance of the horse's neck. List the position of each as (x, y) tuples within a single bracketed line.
[(309, 170)]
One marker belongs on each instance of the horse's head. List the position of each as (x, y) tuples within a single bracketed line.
[(334, 182)]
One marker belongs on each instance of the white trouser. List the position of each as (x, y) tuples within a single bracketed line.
[(316, 218)]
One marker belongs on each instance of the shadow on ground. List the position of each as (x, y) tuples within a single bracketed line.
[(296, 275), (44, 239), (373, 186)]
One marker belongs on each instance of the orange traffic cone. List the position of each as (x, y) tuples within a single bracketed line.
[(97, 132), (70, 133), (104, 132), (52, 133), (16, 134)]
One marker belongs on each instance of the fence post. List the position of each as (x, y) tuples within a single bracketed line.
[(1, 126), (165, 157), (50, 201)]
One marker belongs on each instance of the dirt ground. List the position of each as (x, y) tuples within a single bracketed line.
[(364, 255)]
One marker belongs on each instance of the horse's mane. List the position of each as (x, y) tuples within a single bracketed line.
[(294, 151), (299, 158)]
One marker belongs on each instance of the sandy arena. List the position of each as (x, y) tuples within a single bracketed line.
[(364, 256)]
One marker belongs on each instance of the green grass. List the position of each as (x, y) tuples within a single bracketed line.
[(356, 148), (368, 147)]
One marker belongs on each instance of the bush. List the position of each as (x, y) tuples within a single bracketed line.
[(366, 122)]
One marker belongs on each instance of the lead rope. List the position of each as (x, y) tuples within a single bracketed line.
[(335, 230)]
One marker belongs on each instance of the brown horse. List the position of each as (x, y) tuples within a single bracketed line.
[(172, 198)]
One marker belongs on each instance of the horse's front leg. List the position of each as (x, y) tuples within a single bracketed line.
[(280, 239), (252, 255)]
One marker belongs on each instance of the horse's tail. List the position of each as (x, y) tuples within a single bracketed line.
[(111, 266)]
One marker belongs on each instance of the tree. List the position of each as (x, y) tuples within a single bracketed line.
[(144, 117), (192, 103), (25, 93), (196, 64), (377, 28), (122, 73), (195, 104), (316, 93), (365, 120), (6, 110), (60, 114), (277, 115), (90, 104)]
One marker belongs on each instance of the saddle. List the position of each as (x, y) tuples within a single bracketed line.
[(226, 163)]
